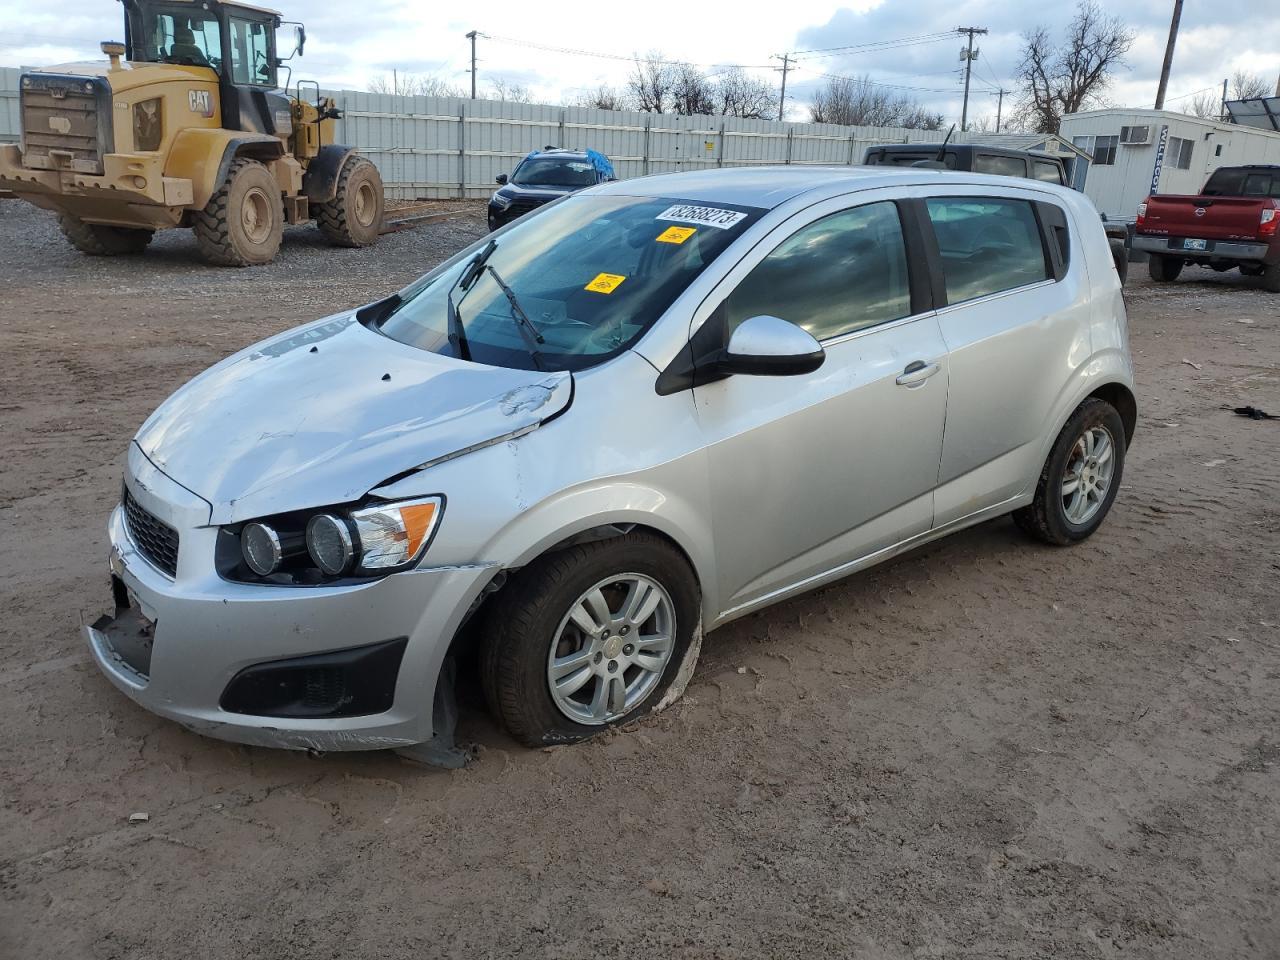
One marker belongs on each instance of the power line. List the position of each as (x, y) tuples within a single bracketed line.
[(634, 58), (874, 45)]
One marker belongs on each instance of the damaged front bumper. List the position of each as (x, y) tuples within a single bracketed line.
[(175, 645)]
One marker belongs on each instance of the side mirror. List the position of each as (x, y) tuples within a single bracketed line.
[(771, 347), (501, 178), (300, 39)]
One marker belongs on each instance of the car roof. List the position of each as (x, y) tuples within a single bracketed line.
[(769, 187)]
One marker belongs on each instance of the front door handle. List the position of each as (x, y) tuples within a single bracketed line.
[(917, 372)]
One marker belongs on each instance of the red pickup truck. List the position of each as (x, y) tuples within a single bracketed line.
[(1232, 222)]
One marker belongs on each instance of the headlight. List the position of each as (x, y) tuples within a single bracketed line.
[(395, 535), (311, 547), (500, 201), (147, 127)]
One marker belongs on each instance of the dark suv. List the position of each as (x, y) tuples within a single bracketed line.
[(543, 176)]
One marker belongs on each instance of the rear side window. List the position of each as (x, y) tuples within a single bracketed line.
[(836, 275), (1261, 185), (1048, 172), (988, 244), (1002, 166)]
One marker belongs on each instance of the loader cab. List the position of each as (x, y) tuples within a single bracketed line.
[(235, 41)]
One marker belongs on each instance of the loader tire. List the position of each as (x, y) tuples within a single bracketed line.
[(242, 223), (353, 218), (99, 240)]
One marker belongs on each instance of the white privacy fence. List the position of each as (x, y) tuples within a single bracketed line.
[(440, 147)]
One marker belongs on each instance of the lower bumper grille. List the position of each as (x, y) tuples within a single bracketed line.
[(155, 539)]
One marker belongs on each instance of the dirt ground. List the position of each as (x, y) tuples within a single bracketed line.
[(987, 749)]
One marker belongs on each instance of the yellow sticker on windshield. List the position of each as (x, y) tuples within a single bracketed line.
[(676, 234), (604, 283)]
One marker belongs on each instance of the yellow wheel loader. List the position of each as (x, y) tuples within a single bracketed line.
[(188, 127)]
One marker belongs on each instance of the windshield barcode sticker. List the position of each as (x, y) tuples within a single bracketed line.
[(704, 216), (605, 283)]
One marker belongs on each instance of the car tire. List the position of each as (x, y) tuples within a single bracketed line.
[(1271, 277), (1164, 269), (353, 218), (1120, 257), (1062, 514), (1253, 269), (537, 618), (242, 224), (100, 240)]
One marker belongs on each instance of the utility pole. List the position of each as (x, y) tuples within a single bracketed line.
[(968, 56), (472, 37), (1168, 54), (782, 100), (1222, 114), (1001, 93)]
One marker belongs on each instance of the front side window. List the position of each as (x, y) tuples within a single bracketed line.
[(1001, 166), (839, 274), (554, 172), (1048, 172), (1104, 150), (251, 53), (988, 244), (592, 274)]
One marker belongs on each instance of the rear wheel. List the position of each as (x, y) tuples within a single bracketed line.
[(353, 218), (1164, 269), (1253, 269), (99, 240), (588, 637), (1080, 478), (1271, 277), (1120, 257), (242, 223)]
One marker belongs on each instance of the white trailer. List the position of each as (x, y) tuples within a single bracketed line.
[(1136, 153)]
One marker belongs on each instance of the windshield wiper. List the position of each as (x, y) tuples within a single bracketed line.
[(457, 334), (528, 330)]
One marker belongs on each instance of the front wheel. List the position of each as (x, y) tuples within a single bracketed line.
[(1080, 478), (1164, 269), (100, 240), (588, 637), (242, 223)]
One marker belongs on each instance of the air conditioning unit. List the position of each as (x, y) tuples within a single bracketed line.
[(1135, 136)]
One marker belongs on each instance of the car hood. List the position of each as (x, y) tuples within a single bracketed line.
[(326, 412), (514, 191)]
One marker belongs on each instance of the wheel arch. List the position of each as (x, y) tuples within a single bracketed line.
[(1121, 397), (320, 180)]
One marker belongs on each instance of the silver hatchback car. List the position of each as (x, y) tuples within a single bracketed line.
[(648, 409)]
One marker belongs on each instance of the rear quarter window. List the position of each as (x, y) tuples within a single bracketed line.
[(1001, 166), (1048, 172)]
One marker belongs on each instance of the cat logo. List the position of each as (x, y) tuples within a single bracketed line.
[(201, 102)]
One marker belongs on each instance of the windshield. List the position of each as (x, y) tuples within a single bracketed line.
[(187, 35), (557, 172), (592, 273)]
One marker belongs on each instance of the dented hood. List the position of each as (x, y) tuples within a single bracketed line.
[(324, 413)]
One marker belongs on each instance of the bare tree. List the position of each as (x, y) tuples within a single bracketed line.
[(1248, 86), (1206, 106), (504, 89), (691, 92), (861, 102), (603, 97), (414, 85), (739, 94), (652, 83), (1058, 79)]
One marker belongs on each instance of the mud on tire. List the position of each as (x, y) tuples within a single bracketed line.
[(353, 218), (243, 222), (99, 240), (520, 625)]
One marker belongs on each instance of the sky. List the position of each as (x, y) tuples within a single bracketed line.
[(349, 44)]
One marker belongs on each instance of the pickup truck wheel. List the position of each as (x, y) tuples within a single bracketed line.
[(1271, 277), (99, 240), (353, 218), (1164, 269), (1120, 257), (1080, 478), (587, 637), (242, 223), (1253, 269)]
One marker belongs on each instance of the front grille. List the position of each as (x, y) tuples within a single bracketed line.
[(66, 122), (519, 208), (155, 539)]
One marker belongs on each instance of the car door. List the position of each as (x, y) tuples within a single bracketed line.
[(810, 472), (1016, 324)]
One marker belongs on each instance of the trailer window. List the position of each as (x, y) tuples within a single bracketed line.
[(1179, 152)]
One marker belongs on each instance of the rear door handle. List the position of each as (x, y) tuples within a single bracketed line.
[(917, 372)]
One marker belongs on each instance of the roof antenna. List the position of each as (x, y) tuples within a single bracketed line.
[(942, 148)]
